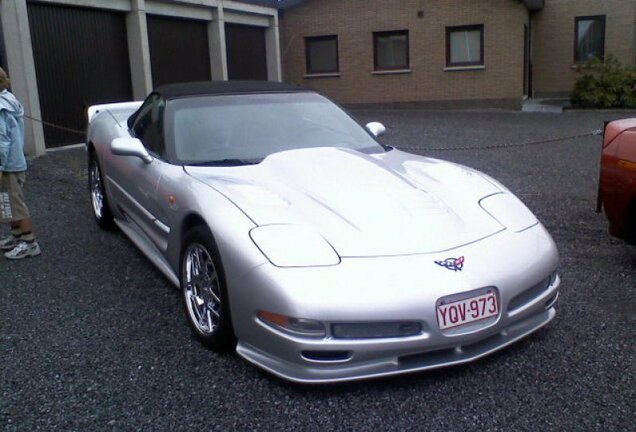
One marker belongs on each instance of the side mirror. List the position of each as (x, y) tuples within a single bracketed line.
[(377, 129), (130, 147)]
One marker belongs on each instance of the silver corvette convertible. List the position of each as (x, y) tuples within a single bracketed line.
[(315, 252)]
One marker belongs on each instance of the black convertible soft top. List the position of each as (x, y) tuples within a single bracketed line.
[(201, 88)]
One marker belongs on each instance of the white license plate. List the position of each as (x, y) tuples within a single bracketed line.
[(460, 312)]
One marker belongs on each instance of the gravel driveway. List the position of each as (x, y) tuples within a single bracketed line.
[(92, 337)]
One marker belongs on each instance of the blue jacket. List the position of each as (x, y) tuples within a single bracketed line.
[(11, 134)]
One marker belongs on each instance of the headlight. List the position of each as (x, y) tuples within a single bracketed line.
[(509, 211), (293, 246), (294, 326)]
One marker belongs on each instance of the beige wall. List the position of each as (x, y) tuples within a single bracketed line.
[(354, 21), (553, 38)]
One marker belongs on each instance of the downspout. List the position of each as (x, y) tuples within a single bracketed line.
[(530, 54)]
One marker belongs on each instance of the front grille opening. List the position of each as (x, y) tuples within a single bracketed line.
[(530, 294), (327, 356), (376, 330)]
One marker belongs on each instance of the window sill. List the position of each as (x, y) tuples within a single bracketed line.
[(391, 72), (322, 75), (464, 68)]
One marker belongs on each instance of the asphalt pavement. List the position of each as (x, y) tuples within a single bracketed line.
[(92, 337)]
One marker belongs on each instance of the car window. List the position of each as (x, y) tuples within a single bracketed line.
[(148, 125), (251, 127)]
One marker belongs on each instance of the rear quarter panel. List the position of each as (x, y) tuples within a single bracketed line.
[(103, 127)]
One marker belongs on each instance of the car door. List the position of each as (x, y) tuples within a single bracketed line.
[(138, 181)]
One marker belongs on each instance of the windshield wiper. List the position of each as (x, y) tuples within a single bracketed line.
[(226, 162)]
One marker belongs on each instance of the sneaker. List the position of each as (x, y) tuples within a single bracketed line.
[(23, 250), (8, 243)]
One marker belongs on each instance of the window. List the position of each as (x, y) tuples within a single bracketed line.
[(465, 46), (589, 38), (322, 54), (215, 129), (147, 124), (391, 50)]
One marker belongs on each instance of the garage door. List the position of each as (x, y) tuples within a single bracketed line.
[(246, 54), (179, 50), (81, 59)]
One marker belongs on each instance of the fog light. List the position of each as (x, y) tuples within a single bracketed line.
[(294, 326)]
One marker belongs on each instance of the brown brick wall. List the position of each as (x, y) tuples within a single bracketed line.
[(354, 21), (553, 38)]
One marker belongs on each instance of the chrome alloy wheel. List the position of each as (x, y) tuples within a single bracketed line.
[(201, 289), (97, 194)]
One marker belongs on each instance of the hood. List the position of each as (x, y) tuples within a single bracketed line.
[(393, 203), (9, 102)]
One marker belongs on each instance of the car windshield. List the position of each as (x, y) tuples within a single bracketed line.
[(244, 129)]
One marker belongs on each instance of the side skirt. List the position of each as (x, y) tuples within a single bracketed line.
[(148, 249)]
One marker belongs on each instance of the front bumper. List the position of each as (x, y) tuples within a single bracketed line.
[(396, 289), (394, 363)]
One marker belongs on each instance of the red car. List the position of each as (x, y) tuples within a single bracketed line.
[(617, 185)]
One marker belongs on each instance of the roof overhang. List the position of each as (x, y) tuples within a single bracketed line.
[(279, 4), (534, 5)]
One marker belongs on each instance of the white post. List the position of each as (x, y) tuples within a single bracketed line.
[(216, 40), (272, 48), (139, 50), (19, 51)]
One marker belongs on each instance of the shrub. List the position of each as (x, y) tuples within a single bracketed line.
[(605, 84)]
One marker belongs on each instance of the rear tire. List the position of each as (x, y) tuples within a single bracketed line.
[(99, 200), (204, 291)]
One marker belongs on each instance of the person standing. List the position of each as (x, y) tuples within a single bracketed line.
[(13, 210)]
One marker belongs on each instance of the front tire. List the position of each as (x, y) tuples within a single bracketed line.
[(204, 291), (99, 200)]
